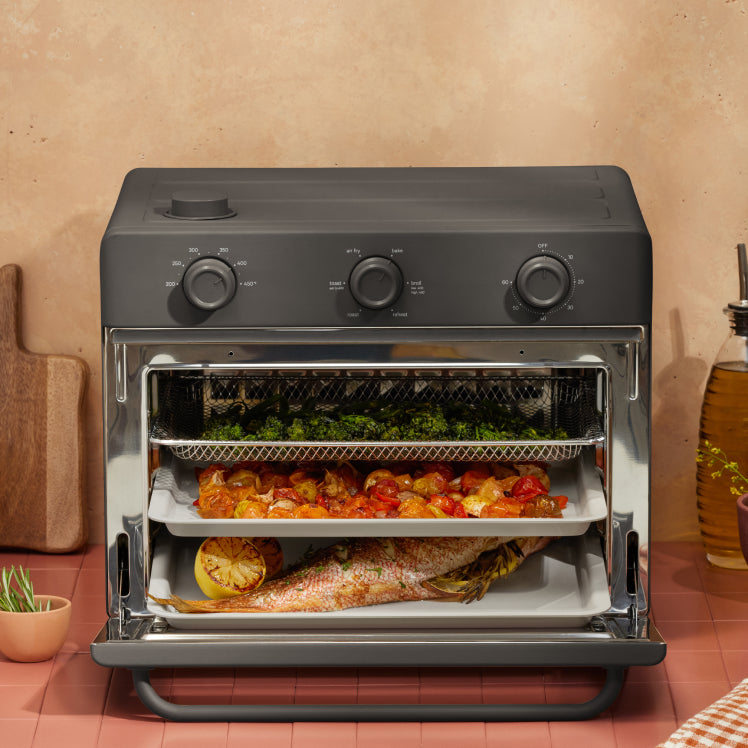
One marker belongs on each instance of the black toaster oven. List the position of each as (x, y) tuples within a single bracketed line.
[(261, 299)]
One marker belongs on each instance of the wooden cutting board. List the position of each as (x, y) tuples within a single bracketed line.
[(42, 450)]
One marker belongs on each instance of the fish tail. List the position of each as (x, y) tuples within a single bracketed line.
[(185, 606)]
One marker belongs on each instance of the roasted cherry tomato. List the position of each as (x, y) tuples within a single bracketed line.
[(287, 493), (527, 487), (444, 503), (430, 483), (357, 507), (443, 468), (218, 503), (386, 487), (374, 477), (310, 511)]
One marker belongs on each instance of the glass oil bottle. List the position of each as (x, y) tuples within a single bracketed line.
[(724, 426)]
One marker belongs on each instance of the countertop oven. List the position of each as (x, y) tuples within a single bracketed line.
[(526, 291)]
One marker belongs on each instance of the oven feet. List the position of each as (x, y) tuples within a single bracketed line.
[(378, 712)]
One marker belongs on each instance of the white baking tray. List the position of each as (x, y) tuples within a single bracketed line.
[(175, 491), (564, 585)]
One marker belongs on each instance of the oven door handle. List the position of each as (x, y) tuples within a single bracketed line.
[(378, 712)]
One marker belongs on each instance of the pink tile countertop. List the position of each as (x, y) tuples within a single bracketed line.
[(702, 612)]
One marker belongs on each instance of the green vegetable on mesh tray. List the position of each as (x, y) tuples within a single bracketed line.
[(273, 420)]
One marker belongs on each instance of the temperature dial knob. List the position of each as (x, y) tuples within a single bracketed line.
[(543, 282), (209, 283), (376, 282)]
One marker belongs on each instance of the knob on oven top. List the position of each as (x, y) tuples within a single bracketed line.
[(199, 205)]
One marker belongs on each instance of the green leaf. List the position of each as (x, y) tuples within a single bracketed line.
[(18, 598)]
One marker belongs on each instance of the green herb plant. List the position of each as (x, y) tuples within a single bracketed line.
[(715, 457), (18, 598)]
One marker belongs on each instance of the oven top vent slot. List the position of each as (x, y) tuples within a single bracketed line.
[(374, 415)]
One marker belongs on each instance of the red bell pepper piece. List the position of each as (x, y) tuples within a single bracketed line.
[(391, 500)]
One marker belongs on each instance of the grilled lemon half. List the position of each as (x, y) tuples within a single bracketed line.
[(226, 567)]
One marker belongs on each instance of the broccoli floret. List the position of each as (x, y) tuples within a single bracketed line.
[(392, 434), (337, 432), (488, 432), (223, 427), (226, 432), (297, 431), (317, 428), (462, 431), (426, 424), (273, 430), (359, 427), (531, 434)]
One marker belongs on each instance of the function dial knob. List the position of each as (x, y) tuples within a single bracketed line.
[(209, 283), (376, 282), (543, 281)]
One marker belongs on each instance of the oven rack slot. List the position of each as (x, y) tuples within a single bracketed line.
[(209, 417)]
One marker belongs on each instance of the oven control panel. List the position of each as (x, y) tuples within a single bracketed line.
[(543, 282), (560, 246), (382, 281)]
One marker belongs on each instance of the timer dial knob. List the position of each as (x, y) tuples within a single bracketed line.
[(209, 283), (543, 282), (376, 282)]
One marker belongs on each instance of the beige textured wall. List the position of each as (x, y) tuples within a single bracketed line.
[(90, 90)]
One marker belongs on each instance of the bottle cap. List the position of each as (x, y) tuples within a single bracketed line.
[(742, 304)]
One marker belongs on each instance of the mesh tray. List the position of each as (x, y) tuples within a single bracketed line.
[(188, 400)]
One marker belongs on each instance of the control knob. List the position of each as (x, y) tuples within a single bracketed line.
[(199, 205), (209, 283), (376, 282), (543, 281)]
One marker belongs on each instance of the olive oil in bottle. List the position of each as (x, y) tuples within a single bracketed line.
[(724, 425)]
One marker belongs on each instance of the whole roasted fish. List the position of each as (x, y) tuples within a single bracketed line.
[(369, 571)]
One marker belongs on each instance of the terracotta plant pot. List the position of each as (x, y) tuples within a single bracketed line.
[(743, 524), (33, 637)]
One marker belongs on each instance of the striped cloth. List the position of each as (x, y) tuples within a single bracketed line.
[(724, 724)]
